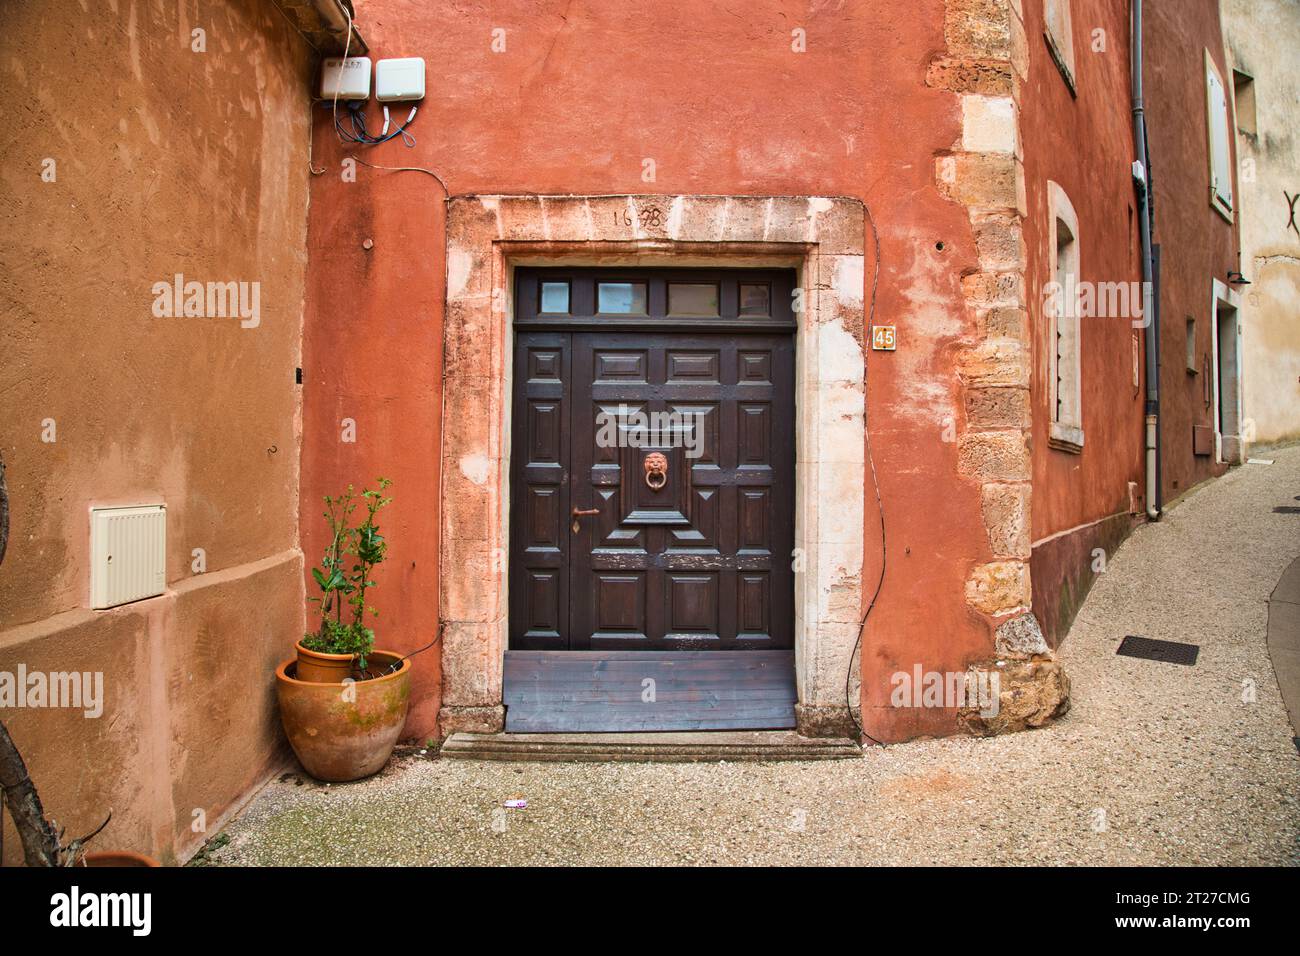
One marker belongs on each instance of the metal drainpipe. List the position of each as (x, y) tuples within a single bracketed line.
[(1149, 291)]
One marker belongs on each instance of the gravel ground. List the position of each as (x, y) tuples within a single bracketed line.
[(1182, 768)]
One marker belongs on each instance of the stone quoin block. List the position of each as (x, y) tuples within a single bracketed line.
[(1004, 323), (982, 180), (1006, 518), (994, 289), (994, 362), (989, 124), (999, 587), (970, 76), (999, 242), (997, 408), (994, 456), (978, 28)]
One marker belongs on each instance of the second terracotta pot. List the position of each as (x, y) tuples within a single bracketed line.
[(317, 668), (118, 858)]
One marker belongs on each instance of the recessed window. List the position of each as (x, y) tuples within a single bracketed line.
[(1192, 365), (1243, 95), (555, 298), (1060, 38), (755, 299), (692, 298), (621, 298)]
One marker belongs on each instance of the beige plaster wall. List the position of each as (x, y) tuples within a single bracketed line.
[(136, 149), (1262, 38)]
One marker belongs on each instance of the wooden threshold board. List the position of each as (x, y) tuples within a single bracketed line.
[(648, 691)]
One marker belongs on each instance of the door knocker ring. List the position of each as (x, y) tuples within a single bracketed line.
[(656, 470)]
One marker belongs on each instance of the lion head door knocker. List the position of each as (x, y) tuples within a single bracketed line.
[(656, 470)]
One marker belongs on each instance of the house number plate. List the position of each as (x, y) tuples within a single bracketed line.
[(884, 338)]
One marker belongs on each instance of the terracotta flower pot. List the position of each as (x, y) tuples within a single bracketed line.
[(315, 667), (118, 858), (345, 733)]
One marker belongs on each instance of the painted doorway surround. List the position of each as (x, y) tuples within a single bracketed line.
[(1225, 374), (488, 237)]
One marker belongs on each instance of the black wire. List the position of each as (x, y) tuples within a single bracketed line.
[(392, 668), (875, 481), (356, 131)]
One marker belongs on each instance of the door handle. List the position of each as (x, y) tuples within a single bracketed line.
[(580, 512)]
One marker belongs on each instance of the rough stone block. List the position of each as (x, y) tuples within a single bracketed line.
[(1000, 587), (997, 408), (471, 720), (994, 289), (971, 76), (1001, 323), (1006, 519), (1031, 693), (1020, 638), (978, 28), (1000, 242), (994, 456), (994, 362), (982, 180)]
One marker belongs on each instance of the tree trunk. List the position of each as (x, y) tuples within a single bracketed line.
[(40, 842), (4, 511)]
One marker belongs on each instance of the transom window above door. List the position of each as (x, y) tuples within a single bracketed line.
[(555, 297)]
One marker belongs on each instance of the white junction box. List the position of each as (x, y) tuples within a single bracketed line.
[(349, 78), (128, 554), (399, 79)]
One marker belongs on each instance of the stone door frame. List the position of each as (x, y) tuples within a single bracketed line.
[(487, 237)]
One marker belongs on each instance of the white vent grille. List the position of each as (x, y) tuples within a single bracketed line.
[(128, 554)]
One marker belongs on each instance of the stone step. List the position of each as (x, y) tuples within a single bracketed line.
[(695, 747)]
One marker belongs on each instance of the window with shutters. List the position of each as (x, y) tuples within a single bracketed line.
[(1058, 32), (1220, 152), (1061, 314)]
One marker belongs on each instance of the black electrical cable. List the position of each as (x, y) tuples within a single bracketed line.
[(875, 481)]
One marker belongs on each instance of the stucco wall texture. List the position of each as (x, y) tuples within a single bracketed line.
[(1197, 244), (1262, 37), (580, 97), (167, 160)]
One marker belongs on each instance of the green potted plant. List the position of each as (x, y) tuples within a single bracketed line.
[(342, 639), (343, 702)]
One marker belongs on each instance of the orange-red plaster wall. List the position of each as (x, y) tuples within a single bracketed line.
[(581, 96), (1084, 143)]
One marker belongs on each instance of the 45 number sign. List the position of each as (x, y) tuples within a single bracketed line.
[(884, 338)]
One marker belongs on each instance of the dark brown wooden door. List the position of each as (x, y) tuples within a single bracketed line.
[(652, 486)]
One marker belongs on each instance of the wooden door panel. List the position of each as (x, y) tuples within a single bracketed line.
[(719, 532), (539, 528)]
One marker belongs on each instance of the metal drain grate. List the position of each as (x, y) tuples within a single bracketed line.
[(1150, 649), (1286, 510)]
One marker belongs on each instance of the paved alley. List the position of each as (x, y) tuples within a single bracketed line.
[(1155, 764)]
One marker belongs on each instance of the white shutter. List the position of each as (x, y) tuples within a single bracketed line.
[(1220, 160)]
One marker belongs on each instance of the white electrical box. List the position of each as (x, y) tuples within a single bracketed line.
[(348, 79), (399, 79), (128, 554)]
